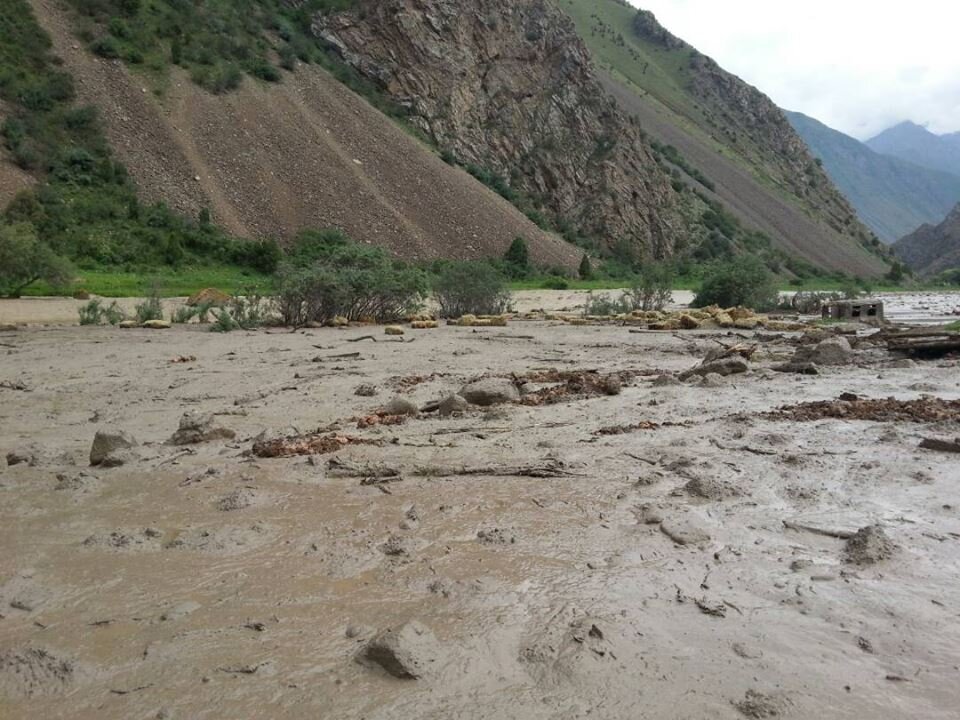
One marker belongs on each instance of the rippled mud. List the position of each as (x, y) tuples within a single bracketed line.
[(648, 548)]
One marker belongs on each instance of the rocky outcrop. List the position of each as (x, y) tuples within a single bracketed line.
[(743, 117), (931, 249), (508, 86)]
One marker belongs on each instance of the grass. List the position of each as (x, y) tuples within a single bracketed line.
[(170, 283), (954, 326)]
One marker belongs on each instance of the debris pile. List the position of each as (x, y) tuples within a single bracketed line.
[(922, 410), (566, 385), (311, 444)]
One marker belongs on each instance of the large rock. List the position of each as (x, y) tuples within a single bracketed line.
[(832, 351), (109, 448), (401, 406), (407, 653), (490, 391), (196, 427), (453, 405)]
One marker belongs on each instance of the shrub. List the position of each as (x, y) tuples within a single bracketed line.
[(743, 281), (151, 308), (184, 314), (93, 313), (326, 275), (555, 282), (90, 313), (24, 260), (604, 304), (470, 288), (517, 259), (223, 322), (653, 289)]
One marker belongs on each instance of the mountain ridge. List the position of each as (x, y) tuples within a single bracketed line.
[(916, 144), (932, 249), (893, 196)]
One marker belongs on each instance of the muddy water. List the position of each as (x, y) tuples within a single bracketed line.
[(549, 598)]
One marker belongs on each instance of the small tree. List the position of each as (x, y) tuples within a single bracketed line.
[(586, 269), (653, 288), (517, 259), (24, 260), (897, 272), (470, 288), (742, 281)]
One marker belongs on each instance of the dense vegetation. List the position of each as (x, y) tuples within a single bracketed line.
[(86, 207)]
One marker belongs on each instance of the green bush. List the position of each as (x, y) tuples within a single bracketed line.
[(555, 282), (652, 289), (90, 313), (24, 260), (150, 309), (326, 275), (470, 288), (605, 305), (743, 281)]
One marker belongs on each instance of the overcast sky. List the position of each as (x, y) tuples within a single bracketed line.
[(859, 66)]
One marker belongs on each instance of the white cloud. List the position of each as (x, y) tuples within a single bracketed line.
[(858, 66)]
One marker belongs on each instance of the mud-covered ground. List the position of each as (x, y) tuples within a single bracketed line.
[(202, 581)]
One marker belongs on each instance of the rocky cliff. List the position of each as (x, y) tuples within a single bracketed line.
[(748, 121), (508, 86), (932, 249)]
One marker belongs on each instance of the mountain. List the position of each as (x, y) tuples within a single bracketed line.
[(911, 142), (727, 133), (892, 196), (932, 249), (432, 128)]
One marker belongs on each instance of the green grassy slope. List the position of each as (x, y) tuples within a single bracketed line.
[(769, 182)]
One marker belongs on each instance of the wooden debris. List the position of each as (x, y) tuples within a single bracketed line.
[(546, 469)]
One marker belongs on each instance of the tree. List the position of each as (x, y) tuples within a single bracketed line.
[(897, 272), (586, 269), (517, 259), (24, 259), (474, 288), (742, 281)]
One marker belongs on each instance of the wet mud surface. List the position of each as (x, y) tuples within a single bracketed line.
[(611, 545)]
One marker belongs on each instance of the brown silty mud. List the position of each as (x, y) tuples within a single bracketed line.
[(506, 562)]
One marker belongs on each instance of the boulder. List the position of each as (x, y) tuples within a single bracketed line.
[(611, 385), (401, 406), (687, 322), (196, 427), (684, 532), (490, 391), (424, 324), (127, 324), (157, 325), (393, 330), (832, 351), (109, 446), (406, 653), (453, 405), (665, 381), (365, 390), (799, 368)]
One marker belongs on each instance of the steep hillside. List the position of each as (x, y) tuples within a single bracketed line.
[(508, 87), (892, 196), (272, 158), (932, 249), (908, 141), (728, 131)]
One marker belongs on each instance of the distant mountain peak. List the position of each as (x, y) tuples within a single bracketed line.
[(917, 144)]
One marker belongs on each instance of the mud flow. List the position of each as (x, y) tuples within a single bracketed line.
[(542, 520)]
